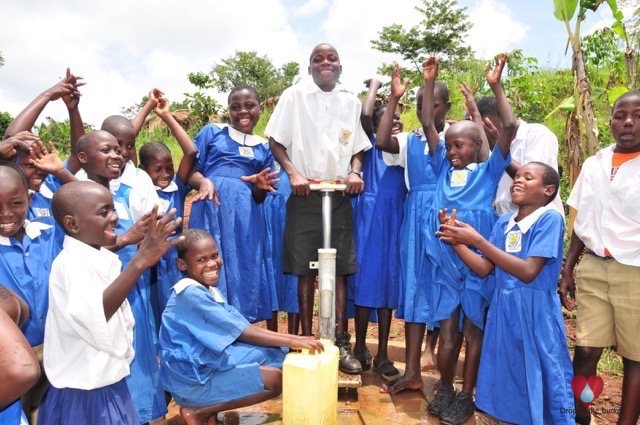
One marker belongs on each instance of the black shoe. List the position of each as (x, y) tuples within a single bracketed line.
[(348, 362), (442, 400), (365, 359), (459, 411)]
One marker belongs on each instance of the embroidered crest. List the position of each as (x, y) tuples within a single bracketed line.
[(246, 151), (459, 178), (514, 241), (344, 136), (164, 205), (42, 212), (277, 167)]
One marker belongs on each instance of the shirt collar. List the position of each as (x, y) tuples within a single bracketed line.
[(311, 87), (101, 260), (525, 224), (243, 138), (469, 167), (32, 229), (187, 281), (173, 187)]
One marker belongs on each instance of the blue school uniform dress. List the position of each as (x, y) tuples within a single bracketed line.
[(202, 361), (165, 274), (525, 352), (471, 192), (144, 381), (414, 296), (377, 222), (274, 210), (224, 155), (13, 415), (25, 267)]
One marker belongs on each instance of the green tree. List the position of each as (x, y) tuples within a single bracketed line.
[(442, 32), (253, 69), (5, 120)]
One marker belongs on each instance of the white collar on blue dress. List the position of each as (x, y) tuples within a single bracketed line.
[(243, 138), (525, 224), (469, 167), (187, 281), (33, 229), (173, 187)]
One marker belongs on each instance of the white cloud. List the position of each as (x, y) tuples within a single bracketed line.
[(495, 29), (310, 7)]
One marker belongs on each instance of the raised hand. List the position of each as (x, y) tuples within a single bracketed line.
[(154, 96), (45, 160), (430, 68), (20, 142), (469, 101), (162, 107), (398, 85), (72, 99), (263, 180), (372, 82), (156, 240), (493, 75)]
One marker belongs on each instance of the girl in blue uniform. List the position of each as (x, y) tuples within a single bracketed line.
[(414, 295), (377, 221), (212, 358), (172, 189), (460, 297), (234, 159), (99, 154), (274, 210), (524, 332)]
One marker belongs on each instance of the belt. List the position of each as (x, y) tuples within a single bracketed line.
[(608, 257)]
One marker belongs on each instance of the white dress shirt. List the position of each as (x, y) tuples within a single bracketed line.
[(81, 348)]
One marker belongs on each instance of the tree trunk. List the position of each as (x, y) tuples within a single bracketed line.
[(574, 139), (630, 61), (584, 107)]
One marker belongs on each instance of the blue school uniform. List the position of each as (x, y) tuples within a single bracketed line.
[(144, 381), (224, 155), (40, 205), (377, 222), (25, 267), (525, 351), (414, 296), (13, 414), (165, 274), (202, 361), (471, 192), (274, 211)]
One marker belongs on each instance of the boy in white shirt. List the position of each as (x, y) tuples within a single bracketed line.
[(89, 331), (315, 135)]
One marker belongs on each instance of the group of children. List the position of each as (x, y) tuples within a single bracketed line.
[(120, 305)]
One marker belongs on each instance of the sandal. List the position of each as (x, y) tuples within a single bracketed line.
[(386, 369)]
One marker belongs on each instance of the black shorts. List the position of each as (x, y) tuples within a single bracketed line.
[(303, 234)]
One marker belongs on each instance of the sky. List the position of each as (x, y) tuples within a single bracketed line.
[(124, 48)]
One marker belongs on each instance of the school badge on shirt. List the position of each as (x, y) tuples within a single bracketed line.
[(246, 151), (514, 241), (459, 178), (344, 136), (42, 212), (277, 166)]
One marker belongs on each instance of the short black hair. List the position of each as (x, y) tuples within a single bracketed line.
[(70, 197), (243, 87), (488, 107), (152, 150), (89, 138), (11, 169), (440, 90), (321, 44), (190, 237), (630, 93), (115, 122), (550, 177)]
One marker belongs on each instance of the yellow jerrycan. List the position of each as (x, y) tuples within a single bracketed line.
[(310, 387)]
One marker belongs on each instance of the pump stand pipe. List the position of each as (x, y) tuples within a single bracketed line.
[(326, 263)]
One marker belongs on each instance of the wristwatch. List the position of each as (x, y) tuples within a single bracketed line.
[(358, 173)]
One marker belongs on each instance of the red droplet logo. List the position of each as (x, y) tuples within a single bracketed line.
[(585, 389)]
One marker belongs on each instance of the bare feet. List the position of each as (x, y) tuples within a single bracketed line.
[(428, 361), (198, 416), (402, 384)]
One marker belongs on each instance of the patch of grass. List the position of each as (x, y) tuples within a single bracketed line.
[(610, 362)]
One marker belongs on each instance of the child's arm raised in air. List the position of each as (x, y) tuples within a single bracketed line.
[(150, 105), (75, 123), (368, 105), (385, 140), (20, 142), (299, 183), (186, 144), (20, 370), (504, 107), (256, 335), (154, 245), (428, 114), (461, 233), (474, 113), (27, 118)]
